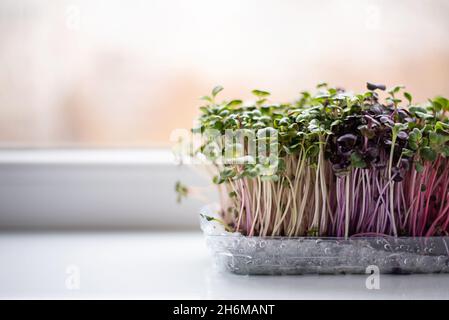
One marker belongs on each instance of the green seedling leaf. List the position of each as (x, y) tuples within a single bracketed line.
[(442, 102), (357, 160), (204, 110), (428, 154), (419, 167), (395, 90), (423, 115), (407, 153), (206, 98), (408, 96), (181, 191), (209, 218), (442, 127), (445, 151), (234, 103), (216, 90), (321, 85), (260, 93)]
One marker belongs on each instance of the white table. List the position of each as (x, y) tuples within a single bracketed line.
[(167, 265)]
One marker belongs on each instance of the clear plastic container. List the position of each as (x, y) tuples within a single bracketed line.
[(240, 254)]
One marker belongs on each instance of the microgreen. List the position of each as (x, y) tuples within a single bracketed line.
[(335, 163), (181, 191)]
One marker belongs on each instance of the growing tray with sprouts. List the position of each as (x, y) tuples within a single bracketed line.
[(233, 252), (332, 182)]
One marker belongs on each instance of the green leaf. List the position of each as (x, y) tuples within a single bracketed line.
[(394, 100), (423, 115), (216, 90), (445, 151), (204, 110), (234, 103), (414, 139), (357, 160), (209, 218), (442, 127), (407, 153), (419, 167), (443, 102), (408, 96), (260, 93), (335, 123), (206, 98), (433, 138), (224, 113), (428, 154), (181, 191), (314, 126), (261, 101), (416, 134), (414, 109), (398, 127), (436, 105), (413, 145), (285, 121), (395, 90), (321, 85)]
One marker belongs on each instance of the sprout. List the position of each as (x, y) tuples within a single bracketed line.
[(330, 163), (373, 86), (181, 191)]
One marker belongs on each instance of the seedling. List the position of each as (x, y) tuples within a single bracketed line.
[(345, 164)]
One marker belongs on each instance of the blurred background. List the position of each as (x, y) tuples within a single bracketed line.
[(110, 73)]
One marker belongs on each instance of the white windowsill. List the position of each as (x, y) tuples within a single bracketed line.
[(86, 156), (75, 189), (174, 265)]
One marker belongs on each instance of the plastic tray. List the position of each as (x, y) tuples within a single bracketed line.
[(239, 254)]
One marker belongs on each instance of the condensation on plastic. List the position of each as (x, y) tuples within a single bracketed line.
[(240, 254)]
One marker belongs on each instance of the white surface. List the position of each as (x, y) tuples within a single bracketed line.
[(168, 266), (97, 189), (87, 156)]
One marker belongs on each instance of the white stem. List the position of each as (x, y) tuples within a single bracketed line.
[(347, 207)]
